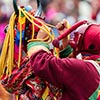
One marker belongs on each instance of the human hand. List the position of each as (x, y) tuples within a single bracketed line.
[(42, 35), (36, 48), (41, 43), (62, 27)]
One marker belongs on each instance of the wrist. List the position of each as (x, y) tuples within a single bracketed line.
[(34, 47), (32, 44), (66, 52)]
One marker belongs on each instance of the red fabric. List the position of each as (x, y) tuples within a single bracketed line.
[(77, 78), (92, 37), (98, 98), (94, 16)]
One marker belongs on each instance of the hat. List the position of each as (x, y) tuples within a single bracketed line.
[(91, 39)]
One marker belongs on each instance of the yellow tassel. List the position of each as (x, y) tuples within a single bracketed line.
[(46, 93), (8, 48)]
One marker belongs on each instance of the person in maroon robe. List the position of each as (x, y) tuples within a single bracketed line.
[(78, 78)]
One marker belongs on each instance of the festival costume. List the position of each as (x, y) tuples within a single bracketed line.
[(79, 79), (16, 75)]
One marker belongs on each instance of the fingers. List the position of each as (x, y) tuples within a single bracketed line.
[(42, 34), (61, 25)]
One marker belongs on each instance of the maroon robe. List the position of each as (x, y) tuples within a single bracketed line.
[(77, 78)]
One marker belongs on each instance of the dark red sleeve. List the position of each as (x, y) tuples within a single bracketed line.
[(60, 72)]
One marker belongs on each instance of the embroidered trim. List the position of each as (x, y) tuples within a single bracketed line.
[(95, 94)]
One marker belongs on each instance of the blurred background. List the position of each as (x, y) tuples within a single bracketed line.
[(54, 10)]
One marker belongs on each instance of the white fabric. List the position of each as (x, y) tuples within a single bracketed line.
[(96, 65)]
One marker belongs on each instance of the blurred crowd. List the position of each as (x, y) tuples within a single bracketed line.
[(55, 10)]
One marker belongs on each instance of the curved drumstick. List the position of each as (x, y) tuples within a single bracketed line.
[(68, 31)]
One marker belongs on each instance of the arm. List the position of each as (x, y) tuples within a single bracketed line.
[(55, 70), (65, 48), (62, 26)]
